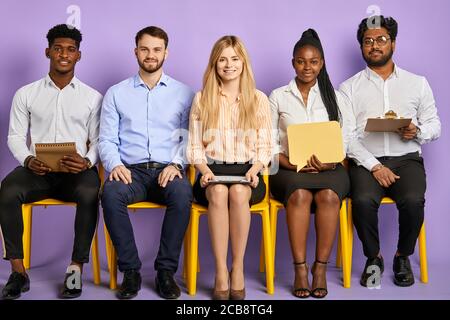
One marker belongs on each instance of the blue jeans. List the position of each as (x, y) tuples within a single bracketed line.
[(177, 196)]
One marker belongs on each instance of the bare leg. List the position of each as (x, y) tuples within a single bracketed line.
[(298, 211), (239, 228), (327, 214), (218, 222)]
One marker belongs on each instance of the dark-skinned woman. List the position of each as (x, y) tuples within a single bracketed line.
[(318, 187)]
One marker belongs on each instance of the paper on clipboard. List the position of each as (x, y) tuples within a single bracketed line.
[(52, 153), (323, 139), (386, 125)]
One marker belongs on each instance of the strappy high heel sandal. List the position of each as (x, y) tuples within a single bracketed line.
[(316, 292), (301, 293)]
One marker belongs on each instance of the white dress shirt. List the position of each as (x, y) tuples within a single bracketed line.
[(369, 96), (288, 108), (54, 115)]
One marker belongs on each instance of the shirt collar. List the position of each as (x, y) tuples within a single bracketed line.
[(164, 80), (49, 82), (292, 86), (372, 74)]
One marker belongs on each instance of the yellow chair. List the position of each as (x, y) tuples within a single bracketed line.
[(275, 206), (27, 213), (261, 208), (346, 254), (111, 252)]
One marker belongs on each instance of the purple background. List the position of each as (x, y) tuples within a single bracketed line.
[(269, 29)]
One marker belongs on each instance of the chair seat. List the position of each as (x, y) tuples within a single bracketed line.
[(145, 205), (52, 202)]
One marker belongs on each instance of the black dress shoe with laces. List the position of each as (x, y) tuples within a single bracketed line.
[(403, 275), (377, 261), (72, 287), (166, 285), (17, 283), (131, 284)]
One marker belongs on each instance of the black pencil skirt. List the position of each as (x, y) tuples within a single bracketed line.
[(240, 169), (285, 182)]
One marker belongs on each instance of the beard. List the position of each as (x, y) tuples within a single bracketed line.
[(381, 62), (151, 69)]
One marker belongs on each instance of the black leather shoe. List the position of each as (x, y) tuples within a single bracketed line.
[(131, 284), (166, 285), (72, 287), (377, 261), (403, 275), (17, 283)]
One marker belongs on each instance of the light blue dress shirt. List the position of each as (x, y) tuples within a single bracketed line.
[(140, 125)]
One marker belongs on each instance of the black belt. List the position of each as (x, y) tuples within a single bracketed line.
[(149, 165), (396, 157)]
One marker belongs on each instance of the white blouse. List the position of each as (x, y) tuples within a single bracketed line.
[(288, 108)]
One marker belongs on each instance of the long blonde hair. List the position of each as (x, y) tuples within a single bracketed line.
[(209, 101)]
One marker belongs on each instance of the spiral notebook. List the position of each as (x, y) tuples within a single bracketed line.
[(52, 153)]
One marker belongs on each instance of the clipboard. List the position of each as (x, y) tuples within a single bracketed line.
[(386, 125), (52, 153), (323, 139)]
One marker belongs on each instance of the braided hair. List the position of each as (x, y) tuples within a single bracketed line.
[(311, 38)]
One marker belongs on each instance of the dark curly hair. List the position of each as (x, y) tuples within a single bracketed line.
[(388, 23), (64, 31)]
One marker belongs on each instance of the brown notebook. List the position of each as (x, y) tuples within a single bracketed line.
[(52, 153)]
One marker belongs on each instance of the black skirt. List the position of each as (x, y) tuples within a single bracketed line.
[(240, 169), (285, 182)]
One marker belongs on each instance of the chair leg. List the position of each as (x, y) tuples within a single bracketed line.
[(267, 237), (27, 216), (193, 253), (273, 216), (423, 255), (261, 255), (339, 252), (112, 260), (107, 246), (350, 236), (113, 272), (186, 245), (95, 260), (344, 245)]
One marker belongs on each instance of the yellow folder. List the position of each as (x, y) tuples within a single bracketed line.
[(323, 139)]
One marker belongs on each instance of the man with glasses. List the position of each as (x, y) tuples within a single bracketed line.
[(387, 163)]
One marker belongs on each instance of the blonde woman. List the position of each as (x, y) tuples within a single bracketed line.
[(229, 134)]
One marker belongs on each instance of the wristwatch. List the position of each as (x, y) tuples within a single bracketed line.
[(418, 131), (177, 166), (88, 163)]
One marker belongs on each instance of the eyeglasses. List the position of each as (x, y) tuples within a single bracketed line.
[(381, 41)]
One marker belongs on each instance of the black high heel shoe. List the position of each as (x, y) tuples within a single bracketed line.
[(316, 292), (301, 293)]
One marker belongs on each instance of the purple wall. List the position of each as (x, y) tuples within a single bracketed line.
[(269, 31)]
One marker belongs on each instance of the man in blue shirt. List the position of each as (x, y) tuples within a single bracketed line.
[(143, 128)]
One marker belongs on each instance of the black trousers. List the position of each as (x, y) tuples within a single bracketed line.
[(408, 192), (177, 196), (23, 186)]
